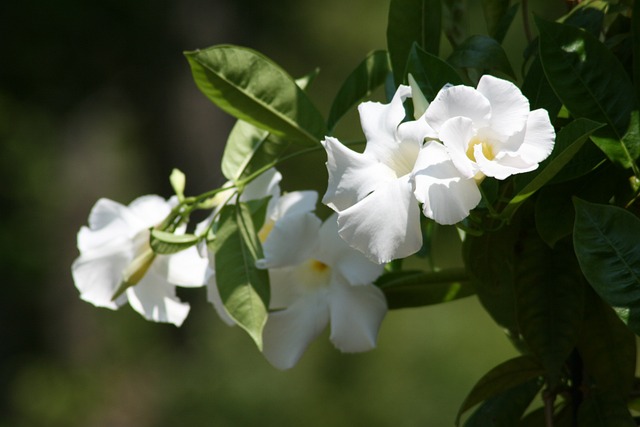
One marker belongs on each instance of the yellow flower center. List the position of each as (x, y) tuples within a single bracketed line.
[(487, 149), (265, 230), (313, 274)]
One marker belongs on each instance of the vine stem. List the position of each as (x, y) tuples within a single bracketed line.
[(548, 398)]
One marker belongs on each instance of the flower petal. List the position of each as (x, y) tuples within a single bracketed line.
[(456, 134), (156, 300), (97, 276), (504, 166), (462, 101), (295, 203), (213, 296), (351, 264), (356, 314), (267, 184), (446, 195), (384, 225), (539, 138), (352, 175), (509, 108), (289, 332), (291, 241), (380, 123), (185, 268), (149, 211)]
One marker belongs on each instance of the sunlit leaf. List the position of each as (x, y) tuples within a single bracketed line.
[(409, 22), (503, 377), (244, 289), (483, 53), (416, 288), (252, 88), (250, 149), (165, 243), (430, 72), (591, 83), (363, 80)]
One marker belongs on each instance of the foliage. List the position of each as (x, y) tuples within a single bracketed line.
[(552, 254)]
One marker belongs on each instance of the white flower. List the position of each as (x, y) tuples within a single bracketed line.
[(117, 239), (331, 283), (371, 191), (489, 131)]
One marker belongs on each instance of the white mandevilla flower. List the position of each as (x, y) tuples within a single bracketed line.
[(489, 131), (372, 191), (116, 240), (316, 278)]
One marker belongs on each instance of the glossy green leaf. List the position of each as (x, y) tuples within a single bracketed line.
[(591, 83), (165, 243), (409, 22), (405, 289), (607, 348), (491, 266), (244, 289), (568, 142), (606, 243), (483, 53), (505, 409), (252, 88), (588, 15), (538, 91), (430, 72), (249, 149), (363, 80), (549, 302), (600, 409), (503, 377)]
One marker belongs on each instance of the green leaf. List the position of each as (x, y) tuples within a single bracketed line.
[(601, 409), (483, 53), (568, 142), (498, 15), (588, 15), (491, 266), (252, 88), (537, 89), (554, 213), (505, 409), (503, 377), (607, 348), (244, 289), (367, 76), (606, 244), (416, 288), (591, 83), (412, 21), (430, 72), (165, 243), (550, 302), (249, 149)]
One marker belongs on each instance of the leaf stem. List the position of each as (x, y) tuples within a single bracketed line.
[(525, 20)]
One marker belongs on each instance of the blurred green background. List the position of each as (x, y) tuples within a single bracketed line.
[(97, 100)]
